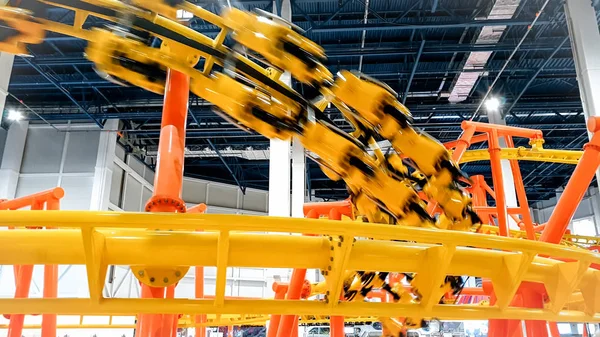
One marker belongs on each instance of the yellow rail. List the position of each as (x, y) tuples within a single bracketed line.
[(98, 239), (581, 241), (186, 322), (522, 153)]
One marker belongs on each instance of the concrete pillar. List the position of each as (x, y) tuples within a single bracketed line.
[(510, 194), (583, 30), (104, 167), (12, 157), (280, 152)]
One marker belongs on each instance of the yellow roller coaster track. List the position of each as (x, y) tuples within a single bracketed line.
[(522, 153), (111, 322), (97, 239), (581, 241)]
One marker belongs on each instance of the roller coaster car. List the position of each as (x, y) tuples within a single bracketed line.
[(373, 100), (120, 59), (18, 29), (283, 47), (248, 106), (166, 8)]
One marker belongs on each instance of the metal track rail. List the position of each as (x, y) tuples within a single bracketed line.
[(97, 239)]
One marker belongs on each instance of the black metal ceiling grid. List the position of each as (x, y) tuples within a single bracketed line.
[(539, 86)]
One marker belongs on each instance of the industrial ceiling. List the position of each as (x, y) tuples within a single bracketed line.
[(441, 56)]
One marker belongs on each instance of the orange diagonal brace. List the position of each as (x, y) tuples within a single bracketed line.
[(576, 187)]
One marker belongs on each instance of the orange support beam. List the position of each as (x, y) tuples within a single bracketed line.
[(344, 207), (474, 140), (502, 130), (168, 182), (576, 187), (295, 329), (52, 195), (520, 188), (199, 279), (280, 291), (15, 326), (553, 327), (286, 322), (336, 323), (51, 275), (495, 161)]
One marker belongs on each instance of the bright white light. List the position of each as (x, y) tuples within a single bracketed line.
[(14, 115), (181, 14), (492, 104)]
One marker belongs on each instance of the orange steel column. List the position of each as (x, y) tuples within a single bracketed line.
[(576, 187), (295, 329), (494, 150), (15, 327), (519, 186), (293, 293), (553, 327), (336, 322), (199, 289), (199, 280), (533, 297), (463, 143), (280, 291), (24, 274), (168, 182), (50, 282)]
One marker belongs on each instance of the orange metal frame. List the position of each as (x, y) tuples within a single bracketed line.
[(49, 200), (167, 198), (529, 295)]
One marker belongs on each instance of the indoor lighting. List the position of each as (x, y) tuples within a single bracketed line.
[(492, 104), (14, 115)]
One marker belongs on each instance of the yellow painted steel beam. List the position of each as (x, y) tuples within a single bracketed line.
[(521, 153), (118, 306), (568, 239), (183, 323), (240, 241)]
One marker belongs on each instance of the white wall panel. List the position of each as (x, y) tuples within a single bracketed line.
[(78, 192), (222, 195), (82, 150), (117, 185), (120, 152), (146, 195), (194, 191), (254, 201), (136, 165), (33, 184), (149, 175), (3, 134), (249, 289), (73, 282), (132, 199), (43, 151)]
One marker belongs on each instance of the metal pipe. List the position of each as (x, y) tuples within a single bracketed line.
[(414, 70), (380, 27)]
